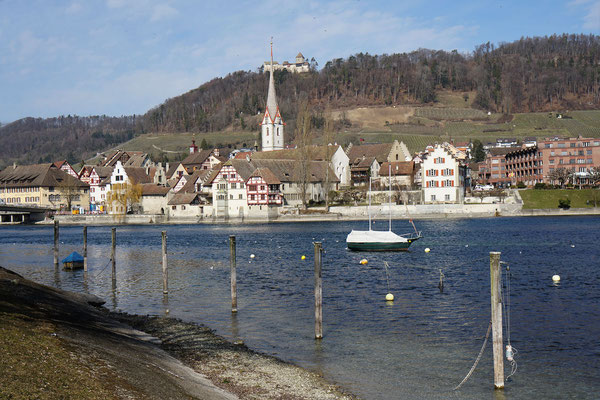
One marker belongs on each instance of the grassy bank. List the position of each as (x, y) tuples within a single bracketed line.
[(542, 199)]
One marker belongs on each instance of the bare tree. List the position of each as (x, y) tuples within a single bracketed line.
[(561, 175), (123, 196), (328, 138), (304, 137)]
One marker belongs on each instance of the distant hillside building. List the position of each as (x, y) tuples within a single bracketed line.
[(272, 123), (301, 65)]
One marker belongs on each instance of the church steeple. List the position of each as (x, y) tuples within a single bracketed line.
[(272, 123), (272, 107)]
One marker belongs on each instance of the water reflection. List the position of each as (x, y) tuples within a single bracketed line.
[(419, 346)]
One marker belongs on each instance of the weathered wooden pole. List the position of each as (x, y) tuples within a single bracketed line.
[(55, 244), (318, 292), (85, 266), (496, 320), (164, 263), (232, 263), (113, 252)]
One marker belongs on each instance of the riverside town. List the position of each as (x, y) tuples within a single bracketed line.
[(312, 201)]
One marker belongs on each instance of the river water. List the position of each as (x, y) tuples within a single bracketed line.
[(420, 346)]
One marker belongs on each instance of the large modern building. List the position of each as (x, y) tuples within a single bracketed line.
[(578, 155), (523, 165)]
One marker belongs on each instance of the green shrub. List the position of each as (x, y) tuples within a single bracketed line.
[(521, 185), (565, 204), (540, 185)]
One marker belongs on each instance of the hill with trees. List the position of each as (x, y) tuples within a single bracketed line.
[(555, 73)]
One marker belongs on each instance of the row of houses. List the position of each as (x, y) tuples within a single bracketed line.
[(246, 184)]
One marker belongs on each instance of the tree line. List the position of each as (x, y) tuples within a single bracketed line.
[(555, 72)]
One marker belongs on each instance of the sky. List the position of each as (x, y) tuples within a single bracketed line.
[(123, 57)]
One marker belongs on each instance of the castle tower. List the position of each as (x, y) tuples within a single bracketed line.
[(272, 123)]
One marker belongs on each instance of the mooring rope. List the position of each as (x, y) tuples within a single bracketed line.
[(103, 269), (487, 335)]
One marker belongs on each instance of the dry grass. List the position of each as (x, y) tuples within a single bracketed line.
[(36, 365)]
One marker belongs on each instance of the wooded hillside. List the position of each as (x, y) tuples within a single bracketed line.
[(532, 74)]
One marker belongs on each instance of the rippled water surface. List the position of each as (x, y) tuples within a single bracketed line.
[(419, 346)]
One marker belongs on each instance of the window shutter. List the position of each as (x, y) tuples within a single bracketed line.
[(427, 184), (452, 171), (437, 172), (427, 173)]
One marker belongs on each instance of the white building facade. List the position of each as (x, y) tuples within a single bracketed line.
[(442, 177)]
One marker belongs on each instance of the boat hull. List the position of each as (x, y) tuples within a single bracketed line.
[(379, 246)]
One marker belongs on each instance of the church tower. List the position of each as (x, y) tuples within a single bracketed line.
[(272, 123)]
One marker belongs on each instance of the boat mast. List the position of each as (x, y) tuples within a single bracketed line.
[(369, 209), (390, 192)]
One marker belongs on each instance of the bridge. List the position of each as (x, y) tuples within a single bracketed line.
[(19, 214)]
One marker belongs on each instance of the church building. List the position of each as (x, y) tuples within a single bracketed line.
[(272, 123)]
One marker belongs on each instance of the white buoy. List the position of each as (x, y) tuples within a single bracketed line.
[(466, 245), (389, 297), (427, 249), (252, 256), (556, 278), (572, 245)]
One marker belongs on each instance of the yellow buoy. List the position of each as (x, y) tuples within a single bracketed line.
[(252, 256), (389, 297), (303, 258), (556, 278), (364, 261), (427, 250)]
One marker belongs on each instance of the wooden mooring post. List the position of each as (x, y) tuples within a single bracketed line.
[(113, 252), (232, 263), (165, 272), (56, 244), (318, 291), (85, 266), (496, 320)]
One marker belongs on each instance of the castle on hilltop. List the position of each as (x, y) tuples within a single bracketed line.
[(301, 65)]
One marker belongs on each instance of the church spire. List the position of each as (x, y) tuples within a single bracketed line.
[(272, 123), (272, 97)]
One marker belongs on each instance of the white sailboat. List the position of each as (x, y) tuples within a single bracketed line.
[(381, 240)]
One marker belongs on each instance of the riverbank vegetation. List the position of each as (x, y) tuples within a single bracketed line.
[(550, 198)]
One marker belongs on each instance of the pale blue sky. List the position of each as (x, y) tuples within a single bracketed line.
[(121, 57)]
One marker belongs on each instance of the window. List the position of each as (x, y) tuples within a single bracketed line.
[(267, 131), (551, 161), (447, 197), (233, 185), (241, 197), (262, 196), (173, 207), (588, 152), (231, 197), (586, 144), (433, 197), (572, 144), (262, 187)]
